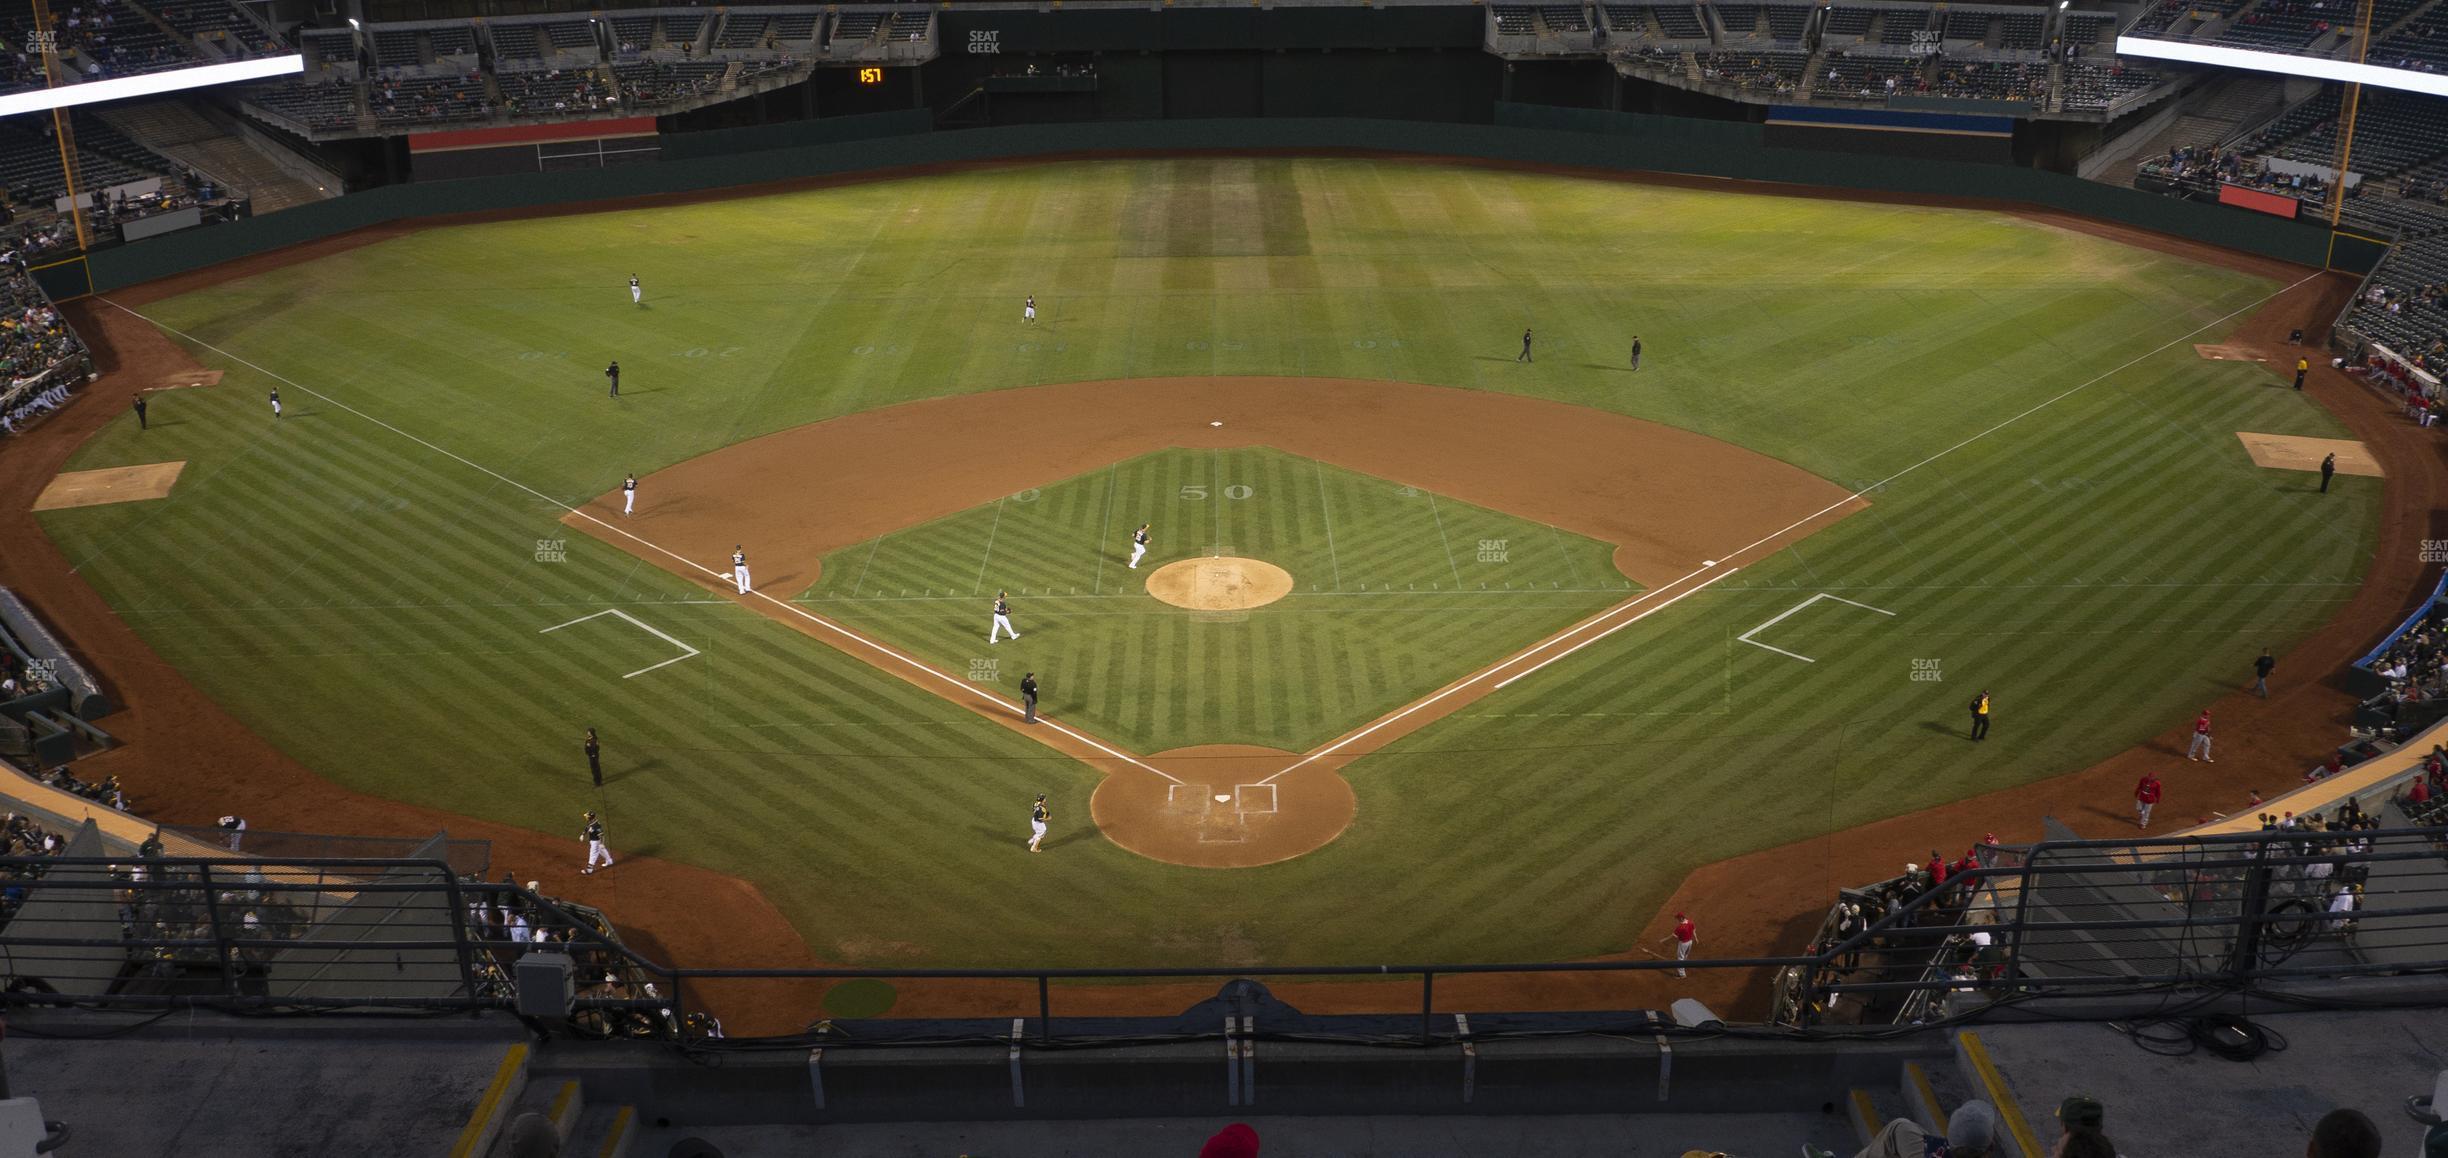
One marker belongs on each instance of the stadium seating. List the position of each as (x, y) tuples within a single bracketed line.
[(1901, 25), (2088, 29), (454, 40), (862, 26), (2023, 31), (513, 42), (414, 100), (1515, 21), (30, 162), (796, 29), (327, 48), (910, 26), (1789, 22), (741, 30), (323, 106), (1847, 25), (1557, 18), (2279, 25), (1994, 80), (552, 91), (209, 18), (396, 48), (634, 33), (1756, 71), (2406, 306), (651, 85), (2422, 45), (2093, 85), (1861, 77), (1738, 21)]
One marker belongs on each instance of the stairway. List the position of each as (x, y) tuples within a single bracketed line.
[(583, 1129), (730, 80), (185, 135), (1927, 1094), (1691, 67), (2215, 113)]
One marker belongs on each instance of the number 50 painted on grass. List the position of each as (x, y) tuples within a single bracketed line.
[(1198, 491)]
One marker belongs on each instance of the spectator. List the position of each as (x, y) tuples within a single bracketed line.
[(1972, 1132), (2344, 1134), (2082, 1120), (1234, 1141)]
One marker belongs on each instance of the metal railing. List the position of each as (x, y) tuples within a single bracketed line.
[(2071, 919)]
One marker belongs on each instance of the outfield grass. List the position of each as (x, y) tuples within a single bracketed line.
[(1393, 596), (377, 607)]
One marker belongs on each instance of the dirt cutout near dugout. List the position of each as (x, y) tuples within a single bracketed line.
[(1682, 508), (1222, 583), (2296, 452), (117, 484)]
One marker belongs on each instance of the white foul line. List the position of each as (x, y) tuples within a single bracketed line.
[(1788, 612), (641, 625), (658, 548), (1474, 678)]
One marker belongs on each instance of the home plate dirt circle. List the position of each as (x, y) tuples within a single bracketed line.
[(1227, 806), (1221, 583)]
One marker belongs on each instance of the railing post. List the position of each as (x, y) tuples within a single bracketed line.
[(459, 934), (1427, 1006), (212, 916), (1045, 1009)]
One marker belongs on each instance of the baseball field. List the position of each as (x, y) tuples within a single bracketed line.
[(1551, 633)]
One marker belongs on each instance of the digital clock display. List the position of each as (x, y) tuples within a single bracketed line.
[(871, 76)]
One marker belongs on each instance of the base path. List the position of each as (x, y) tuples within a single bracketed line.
[(1678, 506)]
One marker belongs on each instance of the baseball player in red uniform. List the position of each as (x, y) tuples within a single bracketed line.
[(2145, 794), (2201, 739), (1683, 937)]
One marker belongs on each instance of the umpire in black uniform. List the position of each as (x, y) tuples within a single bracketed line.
[(613, 372), (594, 753), (1028, 698)]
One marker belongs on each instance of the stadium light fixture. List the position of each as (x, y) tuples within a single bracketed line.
[(121, 88), (2433, 84)]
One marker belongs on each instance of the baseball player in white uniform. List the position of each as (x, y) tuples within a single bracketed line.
[(593, 835), (276, 402), (1038, 814), (1002, 618), (739, 568), (629, 494), (1139, 540), (1028, 309), (637, 293)]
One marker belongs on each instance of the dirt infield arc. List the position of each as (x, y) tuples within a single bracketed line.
[(1682, 509)]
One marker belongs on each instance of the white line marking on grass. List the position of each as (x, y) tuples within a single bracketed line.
[(988, 561), (912, 663), (1474, 678), (635, 622), (1326, 510), (861, 581), (1646, 613), (1105, 536), (1441, 539), (1789, 612)]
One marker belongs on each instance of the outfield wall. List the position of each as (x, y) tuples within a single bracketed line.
[(1523, 134)]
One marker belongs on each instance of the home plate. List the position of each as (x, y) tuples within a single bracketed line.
[(1223, 798)]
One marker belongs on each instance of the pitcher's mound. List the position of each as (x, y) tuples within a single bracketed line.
[(1220, 584)]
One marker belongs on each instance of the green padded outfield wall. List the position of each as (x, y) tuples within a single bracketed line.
[(1522, 134)]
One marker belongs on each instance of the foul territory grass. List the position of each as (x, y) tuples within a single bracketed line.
[(377, 607), (1396, 591)]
